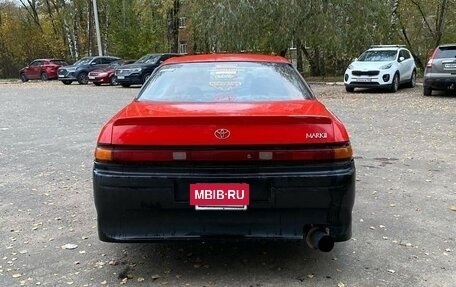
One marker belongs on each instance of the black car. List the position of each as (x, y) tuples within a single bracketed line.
[(138, 72), (79, 71)]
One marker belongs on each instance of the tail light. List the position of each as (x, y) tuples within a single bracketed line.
[(431, 59), (134, 155)]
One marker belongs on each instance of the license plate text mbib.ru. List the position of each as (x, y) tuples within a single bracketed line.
[(219, 194)]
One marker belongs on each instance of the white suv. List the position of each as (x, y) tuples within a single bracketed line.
[(381, 66)]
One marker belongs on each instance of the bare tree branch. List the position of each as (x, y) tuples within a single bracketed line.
[(31, 9)]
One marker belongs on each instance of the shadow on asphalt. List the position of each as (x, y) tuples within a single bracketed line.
[(215, 259)]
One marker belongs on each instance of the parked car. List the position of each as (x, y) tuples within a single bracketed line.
[(106, 75), (80, 70), (138, 72), (224, 146), (381, 66), (440, 72), (41, 69)]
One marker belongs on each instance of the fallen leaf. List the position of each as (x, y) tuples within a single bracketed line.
[(70, 246), (453, 207)]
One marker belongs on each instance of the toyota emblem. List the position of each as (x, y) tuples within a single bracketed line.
[(222, 134)]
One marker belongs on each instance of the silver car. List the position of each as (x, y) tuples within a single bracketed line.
[(440, 72)]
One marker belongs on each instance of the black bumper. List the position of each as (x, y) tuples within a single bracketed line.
[(145, 203), (135, 79), (371, 85), (67, 79), (440, 83)]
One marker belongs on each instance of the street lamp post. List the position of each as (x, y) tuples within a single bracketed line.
[(97, 27)]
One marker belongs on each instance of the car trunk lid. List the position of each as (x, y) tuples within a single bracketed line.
[(227, 125)]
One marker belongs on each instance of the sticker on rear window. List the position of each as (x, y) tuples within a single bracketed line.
[(225, 77)]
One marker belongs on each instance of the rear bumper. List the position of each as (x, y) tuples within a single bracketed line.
[(152, 203), (448, 83)]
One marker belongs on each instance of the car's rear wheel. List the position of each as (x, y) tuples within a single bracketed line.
[(395, 84), (23, 77), (44, 76), (83, 79), (67, 82), (125, 85), (427, 91), (114, 81), (349, 89), (97, 83), (412, 82)]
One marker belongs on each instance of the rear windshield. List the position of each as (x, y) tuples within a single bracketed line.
[(446, 52), (225, 82), (378, 56), (148, 59), (59, 62), (83, 61)]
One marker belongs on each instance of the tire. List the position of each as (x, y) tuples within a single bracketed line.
[(349, 89), (67, 82), (395, 84), (97, 83), (427, 91), (412, 82), (125, 85), (44, 76), (23, 77), (145, 77), (83, 79), (113, 81)]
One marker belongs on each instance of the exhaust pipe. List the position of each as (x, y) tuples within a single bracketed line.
[(318, 238)]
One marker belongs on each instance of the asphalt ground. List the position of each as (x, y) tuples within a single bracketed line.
[(404, 223)]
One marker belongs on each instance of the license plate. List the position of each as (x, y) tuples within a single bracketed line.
[(61, 76), (91, 77), (450, 66), (120, 77), (364, 80), (220, 196)]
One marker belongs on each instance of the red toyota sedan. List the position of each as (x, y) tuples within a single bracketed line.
[(41, 69), (225, 146)]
